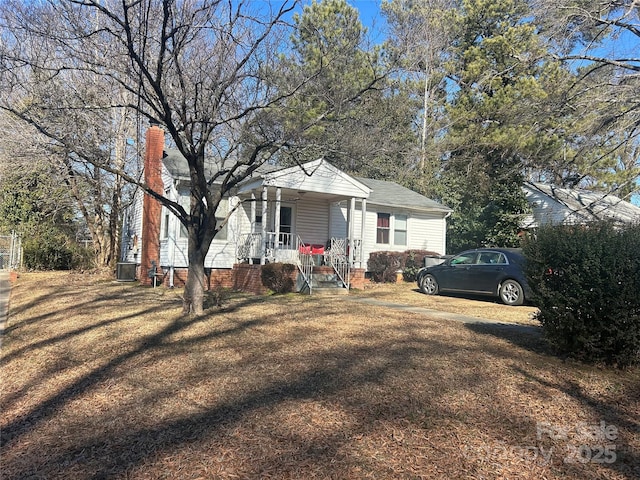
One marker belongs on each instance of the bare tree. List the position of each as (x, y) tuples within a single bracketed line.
[(66, 120), (194, 66), (601, 43), (421, 35)]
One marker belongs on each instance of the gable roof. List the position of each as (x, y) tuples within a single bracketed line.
[(320, 176), (317, 176), (552, 204), (390, 194)]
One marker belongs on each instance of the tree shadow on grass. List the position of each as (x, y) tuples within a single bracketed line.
[(368, 379), (524, 336), (532, 339)]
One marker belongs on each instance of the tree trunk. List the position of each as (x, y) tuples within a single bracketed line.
[(193, 300)]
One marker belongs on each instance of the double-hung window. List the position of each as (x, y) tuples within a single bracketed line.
[(399, 229), (185, 202), (221, 214), (383, 227), (391, 229)]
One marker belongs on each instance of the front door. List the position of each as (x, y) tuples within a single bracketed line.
[(286, 226)]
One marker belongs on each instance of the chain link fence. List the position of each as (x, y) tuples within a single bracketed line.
[(10, 251)]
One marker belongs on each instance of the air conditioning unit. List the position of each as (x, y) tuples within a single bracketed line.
[(126, 272)]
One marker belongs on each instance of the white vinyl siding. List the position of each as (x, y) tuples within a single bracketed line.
[(312, 221), (424, 231), (174, 248), (132, 231)]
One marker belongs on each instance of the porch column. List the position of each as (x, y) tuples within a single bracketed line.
[(363, 209), (276, 220), (253, 212), (351, 225), (252, 221), (263, 257)]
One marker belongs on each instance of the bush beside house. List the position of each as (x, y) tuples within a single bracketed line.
[(278, 277), (585, 282), (385, 265)]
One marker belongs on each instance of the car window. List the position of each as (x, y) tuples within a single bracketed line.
[(464, 259), (492, 258)]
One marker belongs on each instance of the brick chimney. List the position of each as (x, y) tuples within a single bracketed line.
[(151, 208)]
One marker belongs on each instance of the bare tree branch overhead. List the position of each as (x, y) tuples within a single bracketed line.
[(196, 67)]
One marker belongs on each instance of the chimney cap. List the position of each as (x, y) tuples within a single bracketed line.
[(153, 122)]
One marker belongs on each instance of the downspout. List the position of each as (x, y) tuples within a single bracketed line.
[(176, 231), (444, 233)]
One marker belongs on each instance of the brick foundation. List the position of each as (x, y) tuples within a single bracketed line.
[(357, 279), (247, 278), (214, 278), (243, 277)]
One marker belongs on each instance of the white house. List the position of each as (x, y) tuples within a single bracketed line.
[(313, 215), (571, 206)]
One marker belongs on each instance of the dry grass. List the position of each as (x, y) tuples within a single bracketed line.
[(107, 380)]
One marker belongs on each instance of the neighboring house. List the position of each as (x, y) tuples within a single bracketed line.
[(311, 215), (572, 206)]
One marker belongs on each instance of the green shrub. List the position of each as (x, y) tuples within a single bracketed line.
[(585, 281), (384, 265), (278, 277), (414, 261)]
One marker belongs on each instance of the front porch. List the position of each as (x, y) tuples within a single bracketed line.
[(317, 263), (304, 215), (247, 278)]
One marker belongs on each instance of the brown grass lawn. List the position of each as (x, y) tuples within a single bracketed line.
[(106, 380)]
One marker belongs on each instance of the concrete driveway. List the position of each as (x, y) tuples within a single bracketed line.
[(443, 315)]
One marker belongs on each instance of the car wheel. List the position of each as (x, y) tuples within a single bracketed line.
[(429, 285), (511, 293)]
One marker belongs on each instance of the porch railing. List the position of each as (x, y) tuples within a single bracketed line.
[(286, 247), (249, 246), (338, 257), (305, 264), (281, 247)]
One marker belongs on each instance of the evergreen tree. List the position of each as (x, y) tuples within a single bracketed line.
[(419, 42), (36, 204), (369, 133), (497, 62)]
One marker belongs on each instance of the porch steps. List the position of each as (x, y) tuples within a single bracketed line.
[(326, 284)]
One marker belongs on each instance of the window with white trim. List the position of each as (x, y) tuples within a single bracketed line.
[(164, 228), (185, 202), (391, 229), (383, 227), (221, 215), (399, 229)]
